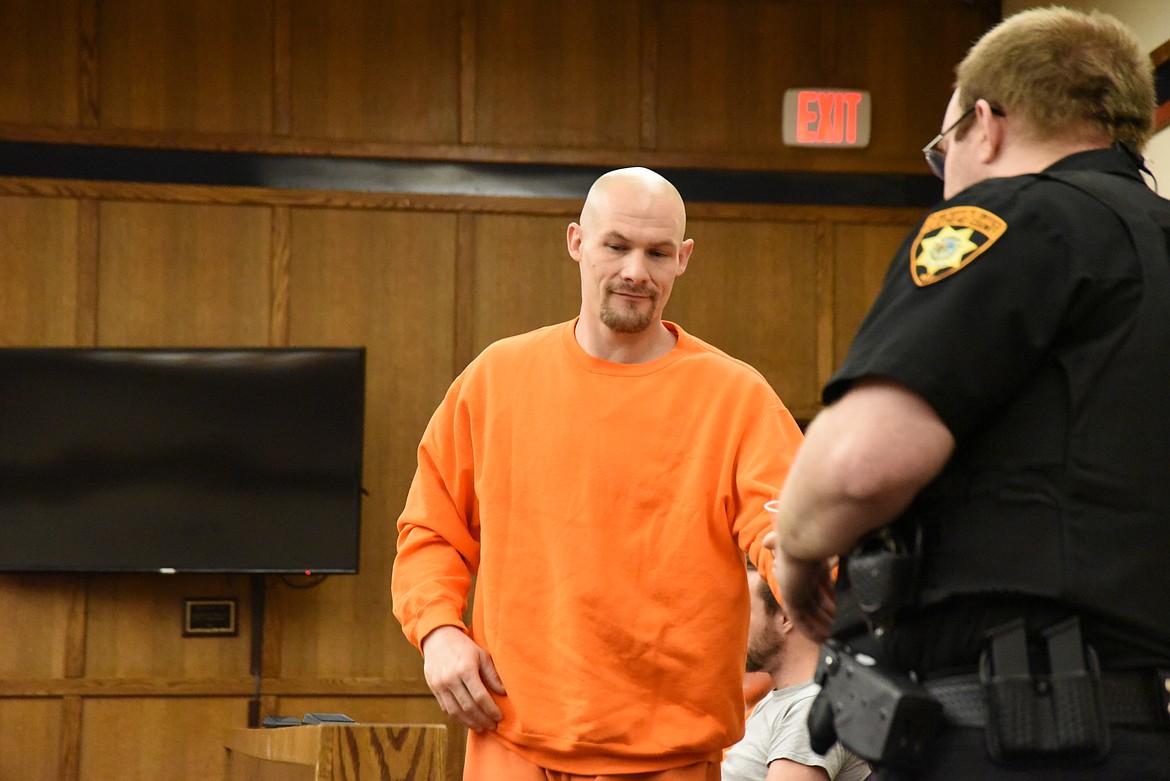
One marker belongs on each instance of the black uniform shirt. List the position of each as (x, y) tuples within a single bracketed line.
[(1028, 254), (1001, 310)]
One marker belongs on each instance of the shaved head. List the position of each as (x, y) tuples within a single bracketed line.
[(636, 190)]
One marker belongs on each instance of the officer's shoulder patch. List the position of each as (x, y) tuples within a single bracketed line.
[(950, 239)]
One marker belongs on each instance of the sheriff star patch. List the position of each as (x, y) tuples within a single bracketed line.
[(950, 239)]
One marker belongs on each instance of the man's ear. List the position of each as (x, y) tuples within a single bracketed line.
[(991, 131), (786, 624), (684, 255), (573, 240)]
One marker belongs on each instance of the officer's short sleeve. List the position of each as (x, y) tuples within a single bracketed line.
[(972, 300)]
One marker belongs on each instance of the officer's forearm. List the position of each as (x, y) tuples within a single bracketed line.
[(817, 523)]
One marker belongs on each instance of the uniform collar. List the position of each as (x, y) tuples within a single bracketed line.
[(1111, 160)]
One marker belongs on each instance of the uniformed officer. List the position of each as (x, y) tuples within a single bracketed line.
[(999, 430)]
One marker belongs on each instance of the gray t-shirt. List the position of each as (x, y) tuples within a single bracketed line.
[(778, 729)]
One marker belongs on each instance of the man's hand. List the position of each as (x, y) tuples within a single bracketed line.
[(806, 591), (457, 670)]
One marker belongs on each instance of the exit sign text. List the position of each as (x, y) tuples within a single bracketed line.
[(826, 117)]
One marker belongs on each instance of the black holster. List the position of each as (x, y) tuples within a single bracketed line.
[(879, 714), (881, 574)]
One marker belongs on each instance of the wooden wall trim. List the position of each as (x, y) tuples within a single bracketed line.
[(425, 177), (872, 215), (826, 249), (279, 277), (269, 706), (466, 153), (467, 72), (1161, 59), (88, 229), (350, 687), (259, 196), (75, 627), (89, 99), (272, 659), (69, 746), (127, 687), (649, 18), (212, 687), (464, 349), (281, 68)]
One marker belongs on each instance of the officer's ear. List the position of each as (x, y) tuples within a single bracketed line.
[(989, 124)]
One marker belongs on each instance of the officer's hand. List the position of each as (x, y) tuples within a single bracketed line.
[(457, 670), (806, 591)]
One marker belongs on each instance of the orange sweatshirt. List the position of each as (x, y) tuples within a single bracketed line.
[(604, 509)]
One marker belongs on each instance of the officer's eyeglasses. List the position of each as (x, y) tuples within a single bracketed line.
[(936, 158)]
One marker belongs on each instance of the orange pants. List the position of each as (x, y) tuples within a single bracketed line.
[(488, 760)]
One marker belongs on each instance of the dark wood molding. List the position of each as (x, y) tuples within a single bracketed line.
[(423, 178), (1161, 59), (210, 687)]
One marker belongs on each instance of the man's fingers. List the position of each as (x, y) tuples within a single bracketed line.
[(472, 705), (460, 704), (453, 665), (813, 622), (482, 702), (491, 677)]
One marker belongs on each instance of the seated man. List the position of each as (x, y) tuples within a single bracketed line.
[(756, 685), (775, 746)]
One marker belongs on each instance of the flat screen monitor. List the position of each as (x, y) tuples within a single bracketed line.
[(181, 460)]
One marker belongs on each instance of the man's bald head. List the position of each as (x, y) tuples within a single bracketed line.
[(634, 190)]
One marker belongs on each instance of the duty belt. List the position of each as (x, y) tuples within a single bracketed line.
[(1132, 698)]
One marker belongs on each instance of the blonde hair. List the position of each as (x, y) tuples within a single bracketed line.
[(1065, 72)]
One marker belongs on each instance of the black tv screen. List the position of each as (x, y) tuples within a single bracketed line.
[(181, 460)]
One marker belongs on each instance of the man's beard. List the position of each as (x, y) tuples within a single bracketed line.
[(761, 653), (628, 317), (757, 659)]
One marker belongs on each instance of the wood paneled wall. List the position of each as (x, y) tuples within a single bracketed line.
[(672, 82), (96, 681)]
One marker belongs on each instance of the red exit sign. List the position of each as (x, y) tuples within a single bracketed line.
[(826, 117)]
